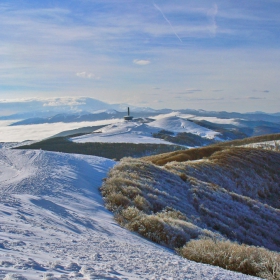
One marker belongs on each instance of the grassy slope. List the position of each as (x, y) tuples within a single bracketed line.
[(205, 207), (199, 153), (234, 193)]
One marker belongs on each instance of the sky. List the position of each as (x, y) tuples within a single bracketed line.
[(199, 54)]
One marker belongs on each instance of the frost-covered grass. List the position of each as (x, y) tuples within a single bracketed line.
[(269, 142), (229, 255), (232, 195), (267, 145)]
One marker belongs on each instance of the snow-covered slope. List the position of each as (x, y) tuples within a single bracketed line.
[(137, 132), (123, 132), (195, 117), (177, 124), (53, 225)]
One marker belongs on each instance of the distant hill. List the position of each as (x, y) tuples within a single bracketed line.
[(257, 116)]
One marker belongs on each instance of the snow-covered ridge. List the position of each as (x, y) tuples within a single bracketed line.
[(177, 124), (53, 225), (138, 132), (123, 132)]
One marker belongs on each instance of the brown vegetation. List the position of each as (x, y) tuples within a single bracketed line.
[(232, 256), (233, 194), (185, 155), (204, 152)]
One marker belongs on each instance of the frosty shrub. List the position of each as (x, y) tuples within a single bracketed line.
[(158, 230), (116, 200), (141, 203), (232, 256), (152, 227)]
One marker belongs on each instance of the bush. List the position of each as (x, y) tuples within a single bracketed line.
[(117, 200), (157, 230), (183, 176), (141, 203), (246, 259)]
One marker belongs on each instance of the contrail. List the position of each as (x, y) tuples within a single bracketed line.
[(158, 8)]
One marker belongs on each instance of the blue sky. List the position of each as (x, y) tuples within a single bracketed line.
[(211, 55)]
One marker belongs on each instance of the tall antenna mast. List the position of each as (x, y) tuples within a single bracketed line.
[(128, 117)]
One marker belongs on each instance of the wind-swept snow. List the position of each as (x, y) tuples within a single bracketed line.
[(53, 225)]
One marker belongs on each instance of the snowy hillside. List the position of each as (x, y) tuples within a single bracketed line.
[(139, 132), (54, 225), (177, 124), (122, 132)]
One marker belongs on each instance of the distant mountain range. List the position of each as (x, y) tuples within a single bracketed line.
[(44, 108), (82, 117), (226, 125), (82, 106)]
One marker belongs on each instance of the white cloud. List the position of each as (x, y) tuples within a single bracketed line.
[(167, 20), (86, 75), (212, 13), (141, 62), (64, 101), (192, 90), (40, 131)]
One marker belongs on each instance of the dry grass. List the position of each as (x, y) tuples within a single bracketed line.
[(233, 195), (232, 256), (180, 156), (157, 229), (205, 152), (167, 227)]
